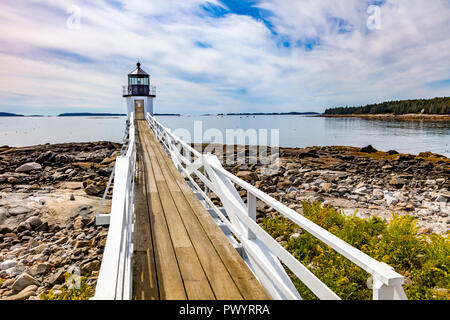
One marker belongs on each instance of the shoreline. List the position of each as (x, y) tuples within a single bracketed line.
[(403, 117), (352, 179), (49, 197)]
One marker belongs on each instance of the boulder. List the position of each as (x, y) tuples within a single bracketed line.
[(39, 269), (34, 222), (7, 264), (24, 294), (368, 149), (29, 167), (23, 281)]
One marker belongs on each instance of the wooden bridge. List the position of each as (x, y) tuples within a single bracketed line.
[(179, 251), (168, 240)]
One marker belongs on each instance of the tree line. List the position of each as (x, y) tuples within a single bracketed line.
[(425, 106)]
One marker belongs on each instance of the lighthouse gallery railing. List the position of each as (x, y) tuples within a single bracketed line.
[(265, 255), (115, 276)]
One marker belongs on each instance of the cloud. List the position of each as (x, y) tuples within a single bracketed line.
[(218, 56)]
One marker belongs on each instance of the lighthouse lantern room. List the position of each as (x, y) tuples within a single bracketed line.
[(139, 93)]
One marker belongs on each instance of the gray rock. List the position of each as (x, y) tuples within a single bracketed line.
[(7, 264), (18, 210), (39, 269), (15, 271), (441, 198), (29, 167), (390, 198)]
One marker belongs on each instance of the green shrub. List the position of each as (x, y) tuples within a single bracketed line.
[(84, 292), (422, 260)]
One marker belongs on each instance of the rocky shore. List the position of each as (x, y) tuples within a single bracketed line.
[(357, 180), (49, 195)]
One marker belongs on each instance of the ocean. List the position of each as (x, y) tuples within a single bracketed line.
[(292, 131)]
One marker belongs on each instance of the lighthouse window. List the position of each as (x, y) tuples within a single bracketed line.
[(138, 81)]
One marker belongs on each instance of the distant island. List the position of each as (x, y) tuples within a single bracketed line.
[(435, 106), (267, 113), (167, 114), (90, 114), (7, 114)]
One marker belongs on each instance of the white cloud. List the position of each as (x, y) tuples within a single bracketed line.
[(243, 67)]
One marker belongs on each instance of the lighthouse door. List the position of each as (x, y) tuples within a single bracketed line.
[(139, 109)]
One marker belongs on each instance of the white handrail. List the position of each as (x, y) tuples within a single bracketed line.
[(115, 276), (262, 250)]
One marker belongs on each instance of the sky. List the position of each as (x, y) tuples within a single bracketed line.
[(221, 55)]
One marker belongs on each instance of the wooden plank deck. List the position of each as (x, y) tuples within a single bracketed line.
[(180, 253)]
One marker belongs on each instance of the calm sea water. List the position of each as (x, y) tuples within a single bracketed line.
[(294, 131)]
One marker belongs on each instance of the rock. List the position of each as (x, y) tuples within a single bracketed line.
[(5, 230), (368, 149), (13, 180), (94, 189), (24, 294), (23, 226), (57, 278), (46, 156), (7, 264), (327, 187), (397, 182), (81, 244), (15, 271), (18, 210), (378, 193), (247, 175), (441, 198), (390, 199), (39, 269), (83, 165), (23, 281), (284, 184), (294, 235), (7, 283), (34, 222), (29, 167), (87, 268), (361, 191)]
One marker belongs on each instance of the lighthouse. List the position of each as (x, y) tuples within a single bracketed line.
[(139, 93)]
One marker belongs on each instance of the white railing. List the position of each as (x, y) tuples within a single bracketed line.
[(126, 90), (115, 277), (265, 255)]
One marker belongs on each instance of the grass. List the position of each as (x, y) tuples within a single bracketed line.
[(424, 261), (70, 292)]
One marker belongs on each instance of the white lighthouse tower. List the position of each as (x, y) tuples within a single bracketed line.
[(139, 93)]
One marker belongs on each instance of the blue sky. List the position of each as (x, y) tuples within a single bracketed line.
[(221, 55)]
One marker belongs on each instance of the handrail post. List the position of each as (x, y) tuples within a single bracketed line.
[(251, 209)]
